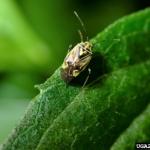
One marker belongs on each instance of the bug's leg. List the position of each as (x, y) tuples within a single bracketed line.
[(69, 48), (89, 72)]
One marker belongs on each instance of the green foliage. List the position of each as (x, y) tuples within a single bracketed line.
[(19, 43), (68, 117), (138, 131)]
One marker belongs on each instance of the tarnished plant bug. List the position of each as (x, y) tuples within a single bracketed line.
[(77, 58)]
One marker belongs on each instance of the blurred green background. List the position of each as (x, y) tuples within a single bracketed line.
[(34, 39)]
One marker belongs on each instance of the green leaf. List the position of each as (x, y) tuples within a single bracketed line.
[(17, 41), (138, 131), (70, 117)]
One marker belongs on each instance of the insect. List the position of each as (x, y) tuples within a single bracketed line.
[(77, 58)]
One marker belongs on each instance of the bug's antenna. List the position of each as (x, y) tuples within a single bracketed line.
[(83, 26), (81, 35)]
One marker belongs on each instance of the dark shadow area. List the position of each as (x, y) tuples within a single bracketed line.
[(97, 67)]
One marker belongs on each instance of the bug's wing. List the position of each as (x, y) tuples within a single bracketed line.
[(84, 62), (72, 56)]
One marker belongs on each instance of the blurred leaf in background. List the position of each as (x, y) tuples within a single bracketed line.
[(23, 58), (34, 38)]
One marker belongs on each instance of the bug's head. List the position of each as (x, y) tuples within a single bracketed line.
[(87, 45)]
